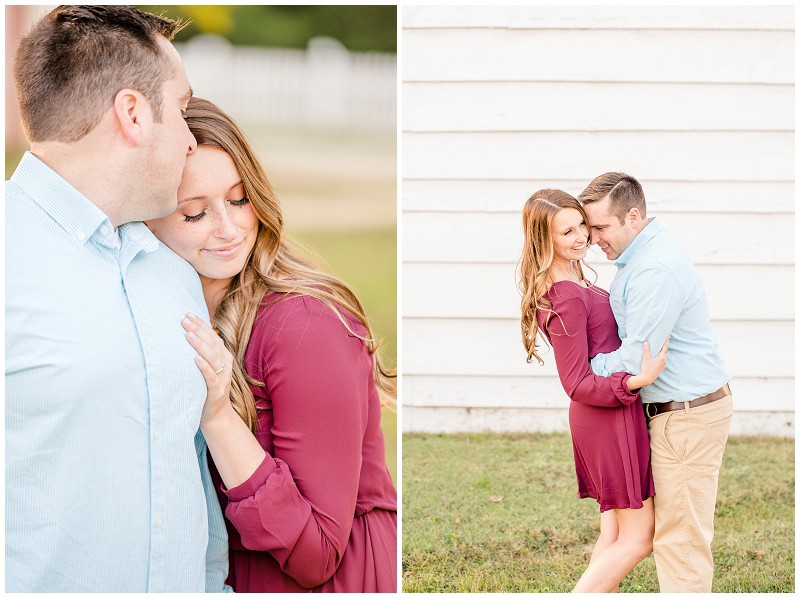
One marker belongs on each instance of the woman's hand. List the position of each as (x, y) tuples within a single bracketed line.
[(651, 367), (237, 453), (214, 361)]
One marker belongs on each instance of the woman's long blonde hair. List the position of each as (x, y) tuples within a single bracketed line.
[(273, 265), (536, 259)]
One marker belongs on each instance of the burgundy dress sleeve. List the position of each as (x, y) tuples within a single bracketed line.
[(300, 503), (568, 336)]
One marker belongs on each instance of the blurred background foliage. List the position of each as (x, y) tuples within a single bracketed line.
[(358, 28)]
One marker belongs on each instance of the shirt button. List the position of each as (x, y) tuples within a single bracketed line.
[(81, 235), (148, 350), (156, 434), (158, 522), (104, 230)]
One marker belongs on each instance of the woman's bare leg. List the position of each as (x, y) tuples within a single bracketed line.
[(609, 532), (634, 542)]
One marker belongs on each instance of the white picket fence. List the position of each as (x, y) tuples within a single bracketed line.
[(324, 86)]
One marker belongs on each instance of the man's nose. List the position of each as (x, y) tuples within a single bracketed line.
[(192, 142)]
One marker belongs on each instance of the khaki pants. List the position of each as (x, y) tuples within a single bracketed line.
[(686, 454)]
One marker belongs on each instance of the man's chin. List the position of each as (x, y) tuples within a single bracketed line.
[(610, 256), (167, 209)]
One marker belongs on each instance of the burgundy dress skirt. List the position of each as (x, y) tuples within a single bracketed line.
[(609, 432), (320, 512)]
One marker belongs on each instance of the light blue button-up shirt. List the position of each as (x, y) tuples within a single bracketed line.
[(656, 294), (107, 483)]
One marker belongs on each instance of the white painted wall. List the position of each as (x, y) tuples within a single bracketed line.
[(696, 102)]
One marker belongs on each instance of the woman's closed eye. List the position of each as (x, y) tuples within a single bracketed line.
[(239, 202), (195, 218)]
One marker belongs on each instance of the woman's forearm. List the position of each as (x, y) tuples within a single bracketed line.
[(236, 452), (634, 383)]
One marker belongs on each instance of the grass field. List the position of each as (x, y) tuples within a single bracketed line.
[(499, 513)]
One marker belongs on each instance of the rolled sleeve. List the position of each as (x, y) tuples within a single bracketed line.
[(569, 338), (253, 483)]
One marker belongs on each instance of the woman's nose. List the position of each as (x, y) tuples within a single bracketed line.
[(225, 227)]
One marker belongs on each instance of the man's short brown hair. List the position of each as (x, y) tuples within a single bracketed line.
[(73, 62), (624, 191)]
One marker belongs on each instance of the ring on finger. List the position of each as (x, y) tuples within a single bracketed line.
[(222, 369)]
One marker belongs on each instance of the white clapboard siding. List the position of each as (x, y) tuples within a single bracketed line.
[(464, 347), (775, 18), (697, 102), (664, 56), (694, 155), (474, 195), (522, 392), (497, 237), (522, 404), (525, 106), (490, 290)]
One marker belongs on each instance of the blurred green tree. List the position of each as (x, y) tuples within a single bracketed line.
[(358, 28)]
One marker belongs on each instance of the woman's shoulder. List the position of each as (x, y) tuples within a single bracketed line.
[(567, 291), (569, 298), (287, 312), (564, 297)]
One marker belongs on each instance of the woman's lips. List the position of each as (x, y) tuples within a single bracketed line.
[(227, 251)]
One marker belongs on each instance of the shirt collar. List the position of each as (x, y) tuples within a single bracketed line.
[(136, 238), (643, 238), (72, 210), (138, 234), (66, 205)]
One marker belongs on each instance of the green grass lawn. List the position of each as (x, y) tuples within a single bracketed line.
[(499, 513)]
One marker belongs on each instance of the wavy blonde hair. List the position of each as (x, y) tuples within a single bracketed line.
[(537, 258), (273, 266)]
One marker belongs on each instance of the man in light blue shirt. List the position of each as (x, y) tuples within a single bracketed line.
[(657, 294), (107, 482)]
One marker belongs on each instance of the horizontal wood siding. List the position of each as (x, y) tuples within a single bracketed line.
[(696, 102)]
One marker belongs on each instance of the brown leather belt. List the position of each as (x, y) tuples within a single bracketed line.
[(653, 409)]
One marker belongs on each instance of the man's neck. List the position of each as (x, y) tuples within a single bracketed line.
[(88, 172)]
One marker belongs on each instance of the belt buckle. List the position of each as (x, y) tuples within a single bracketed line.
[(647, 407)]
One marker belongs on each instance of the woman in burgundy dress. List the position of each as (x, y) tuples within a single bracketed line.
[(292, 418), (609, 433)]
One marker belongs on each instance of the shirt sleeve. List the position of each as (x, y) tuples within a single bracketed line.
[(653, 302), (217, 549), (569, 339), (300, 503)]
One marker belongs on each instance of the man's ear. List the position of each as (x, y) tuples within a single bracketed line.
[(635, 217), (131, 113)]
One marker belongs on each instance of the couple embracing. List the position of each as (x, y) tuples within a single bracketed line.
[(169, 357), (648, 432)]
